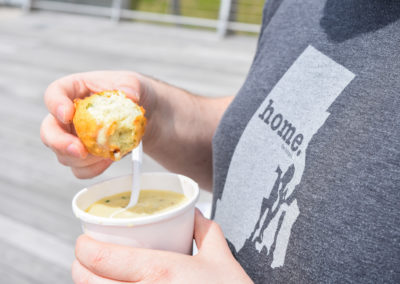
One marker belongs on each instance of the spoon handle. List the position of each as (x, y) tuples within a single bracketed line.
[(137, 157)]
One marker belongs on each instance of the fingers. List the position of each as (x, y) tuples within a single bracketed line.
[(209, 236), (214, 249), (91, 170), (127, 82), (123, 263), (60, 94), (55, 136), (73, 162), (70, 150), (81, 274)]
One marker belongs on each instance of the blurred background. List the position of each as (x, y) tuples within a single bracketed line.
[(204, 46)]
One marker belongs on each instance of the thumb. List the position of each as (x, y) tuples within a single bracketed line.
[(129, 84), (209, 236), (126, 82), (130, 92)]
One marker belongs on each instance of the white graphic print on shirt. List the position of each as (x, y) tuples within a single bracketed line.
[(269, 159)]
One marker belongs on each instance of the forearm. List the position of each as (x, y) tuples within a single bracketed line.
[(180, 129)]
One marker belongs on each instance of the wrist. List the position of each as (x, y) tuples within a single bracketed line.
[(157, 98), (169, 111)]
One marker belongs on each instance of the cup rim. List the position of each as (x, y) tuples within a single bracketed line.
[(128, 222)]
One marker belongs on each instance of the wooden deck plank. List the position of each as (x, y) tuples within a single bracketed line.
[(19, 266), (38, 229), (38, 243)]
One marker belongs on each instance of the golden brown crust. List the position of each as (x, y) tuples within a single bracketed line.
[(87, 129)]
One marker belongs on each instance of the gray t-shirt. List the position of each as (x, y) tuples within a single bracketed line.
[(307, 157)]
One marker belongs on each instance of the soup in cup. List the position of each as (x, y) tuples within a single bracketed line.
[(169, 229)]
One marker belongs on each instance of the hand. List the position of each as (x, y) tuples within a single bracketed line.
[(103, 263), (57, 131)]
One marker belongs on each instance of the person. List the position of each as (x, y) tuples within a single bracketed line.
[(304, 162)]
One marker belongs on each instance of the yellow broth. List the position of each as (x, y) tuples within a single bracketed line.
[(150, 202)]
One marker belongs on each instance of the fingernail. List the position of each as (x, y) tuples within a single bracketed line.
[(73, 151), (61, 114), (130, 92)]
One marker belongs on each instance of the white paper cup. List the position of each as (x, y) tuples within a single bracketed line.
[(171, 230)]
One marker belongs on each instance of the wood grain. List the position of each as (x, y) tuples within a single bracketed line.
[(37, 227)]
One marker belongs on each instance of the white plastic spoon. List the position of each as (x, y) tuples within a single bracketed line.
[(137, 157)]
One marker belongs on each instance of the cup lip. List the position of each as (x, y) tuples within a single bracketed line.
[(129, 222)]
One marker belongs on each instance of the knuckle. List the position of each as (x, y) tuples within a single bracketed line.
[(51, 89), (48, 90), (44, 130), (52, 144), (43, 133), (134, 80), (215, 226), (78, 244), (99, 259), (77, 83), (90, 170), (78, 172), (84, 278), (63, 160), (57, 83), (160, 275), (80, 276), (164, 273)]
